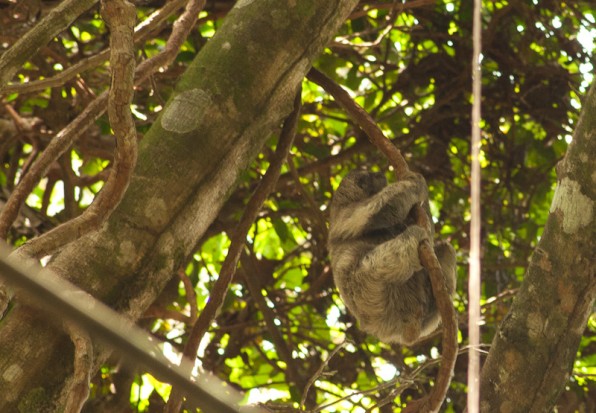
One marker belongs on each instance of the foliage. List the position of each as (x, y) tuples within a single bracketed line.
[(409, 66)]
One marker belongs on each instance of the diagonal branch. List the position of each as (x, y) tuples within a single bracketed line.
[(362, 119), (433, 402)]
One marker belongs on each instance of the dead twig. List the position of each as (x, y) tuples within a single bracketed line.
[(428, 259), (319, 373)]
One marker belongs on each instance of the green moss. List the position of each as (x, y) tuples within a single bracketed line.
[(34, 401)]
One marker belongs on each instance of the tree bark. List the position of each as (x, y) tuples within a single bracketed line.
[(236, 91), (533, 352)]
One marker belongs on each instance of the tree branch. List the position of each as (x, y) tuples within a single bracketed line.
[(56, 148), (77, 392), (362, 119)]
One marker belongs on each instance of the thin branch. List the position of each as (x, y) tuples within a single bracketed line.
[(191, 296), (238, 239), (70, 204), (163, 313), (120, 16), (362, 119), (310, 200), (319, 373), (56, 148), (428, 259), (474, 281), (180, 31), (60, 78), (412, 4), (284, 353), (67, 136), (395, 9)]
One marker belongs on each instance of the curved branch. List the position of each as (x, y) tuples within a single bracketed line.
[(120, 15), (362, 119)]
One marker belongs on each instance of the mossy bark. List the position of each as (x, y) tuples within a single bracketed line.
[(237, 90)]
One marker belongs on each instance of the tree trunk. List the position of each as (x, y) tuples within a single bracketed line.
[(234, 94), (533, 352)]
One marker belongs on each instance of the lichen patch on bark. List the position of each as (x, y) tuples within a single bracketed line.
[(577, 208), (243, 3), (12, 372), (186, 111)]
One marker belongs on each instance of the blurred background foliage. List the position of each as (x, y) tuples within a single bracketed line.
[(409, 65)]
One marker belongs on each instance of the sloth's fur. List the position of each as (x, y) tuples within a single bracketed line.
[(373, 247)]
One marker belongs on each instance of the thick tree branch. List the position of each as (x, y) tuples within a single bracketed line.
[(426, 252)]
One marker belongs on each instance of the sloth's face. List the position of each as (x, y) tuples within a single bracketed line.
[(369, 182), (357, 186)]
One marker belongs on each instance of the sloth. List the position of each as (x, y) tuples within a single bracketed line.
[(373, 248)]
